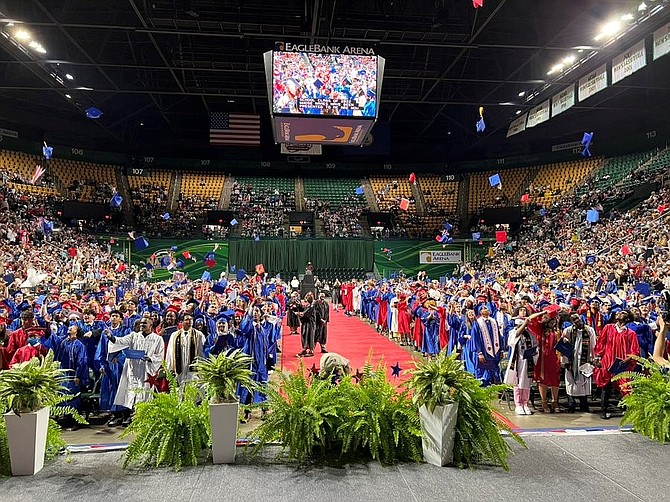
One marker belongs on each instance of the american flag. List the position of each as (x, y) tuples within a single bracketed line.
[(242, 129)]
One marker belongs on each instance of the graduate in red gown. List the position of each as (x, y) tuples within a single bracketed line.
[(547, 372), (615, 342)]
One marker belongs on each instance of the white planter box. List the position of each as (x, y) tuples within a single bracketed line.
[(27, 439), (437, 434), (223, 421)]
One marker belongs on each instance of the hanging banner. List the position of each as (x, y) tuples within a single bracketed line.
[(630, 61), (538, 114), (661, 41), (436, 257), (592, 83), (517, 126), (563, 100)]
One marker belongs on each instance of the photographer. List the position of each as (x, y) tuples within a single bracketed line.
[(662, 343)]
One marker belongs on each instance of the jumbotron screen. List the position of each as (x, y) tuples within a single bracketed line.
[(305, 83)]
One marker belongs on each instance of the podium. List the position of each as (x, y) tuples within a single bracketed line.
[(307, 285)]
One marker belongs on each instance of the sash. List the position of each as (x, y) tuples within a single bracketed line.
[(491, 340)]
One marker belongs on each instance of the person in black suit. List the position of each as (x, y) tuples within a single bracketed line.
[(322, 317)]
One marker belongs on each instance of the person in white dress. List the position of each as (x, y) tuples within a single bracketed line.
[(523, 356), (141, 366)]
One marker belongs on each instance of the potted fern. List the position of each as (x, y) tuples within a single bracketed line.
[(29, 390), (477, 437), (223, 375), (434, 384), (169, 430), (648, 402)]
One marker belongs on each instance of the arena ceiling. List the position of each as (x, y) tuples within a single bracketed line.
[(157, 67)]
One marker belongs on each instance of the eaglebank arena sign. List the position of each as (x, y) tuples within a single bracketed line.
[(439, 257), (326, 49)]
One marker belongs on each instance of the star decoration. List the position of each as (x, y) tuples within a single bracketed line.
[(152, 380), (314, 370), (395, 370), (358, 376)]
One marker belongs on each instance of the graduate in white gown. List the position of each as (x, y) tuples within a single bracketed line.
[(185, 347), (144, 355)]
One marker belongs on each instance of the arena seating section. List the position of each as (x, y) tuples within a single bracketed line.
[(84, 181), (556, 180), (336, 192), (254, 200)]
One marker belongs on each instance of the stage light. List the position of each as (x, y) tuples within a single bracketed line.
[(556, 68), (69, 77), (68, 96), (22, 35), (522, 94), (627, 17), (608, 30), (33, 44), (41, 49), (569, 59)]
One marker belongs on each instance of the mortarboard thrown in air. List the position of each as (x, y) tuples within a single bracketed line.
[(166, 216), (481, 126), (241, 274), (404, 204), (592, 216), (586, 141), (93, 112), (219, 287), (360, 190), (47, 151), (643, 288), (501, 236), (141, 243), (476, 236), (553, 263), (116, 200), (477, 3), (590, 259), (495, 181), (206, 276), (233, 222), (412, 178)]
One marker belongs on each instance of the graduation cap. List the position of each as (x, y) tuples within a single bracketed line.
[(219, 287), (565, 348), (233, 222), (553, 263), (232, 268), (48, 227), (257, 239), (501, 236), (643, 288), (179, 264), (579, 284), (448, 226), (592, 215), (481, 126), (530, 353), (586, 141), (412, 178), (590, 259), (466, 278), (206, 276), (525, 198), (149, 266), (241, 274), (173, 248), (166, 216), (93, 112), (226, 315), (625, 250), (47, 151), (404, 204), (141, 243), (360, 190), (9, 279), (477, 3), (116, 200), (210, 262), (543, 212), (165, 261), (476, 236), (495, 181)]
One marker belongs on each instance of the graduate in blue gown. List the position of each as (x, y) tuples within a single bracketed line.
[(92, 329), (427, 314), (256, 331), (72, 356), (111, 367), (483, 348)]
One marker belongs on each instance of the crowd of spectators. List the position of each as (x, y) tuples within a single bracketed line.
[(343, 221), (260, 211)]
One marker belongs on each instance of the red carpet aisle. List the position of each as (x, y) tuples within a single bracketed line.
[(353, 339)]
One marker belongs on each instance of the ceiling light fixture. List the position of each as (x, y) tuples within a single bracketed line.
[(68, 96), (69, 77), (627, 17), (569, 59), (33, 44), (522, 94), (518, 112), (41, 49), (609, 29), (22, 35), (643, 6)]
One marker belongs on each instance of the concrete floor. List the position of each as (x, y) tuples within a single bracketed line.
[(619, 467)]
